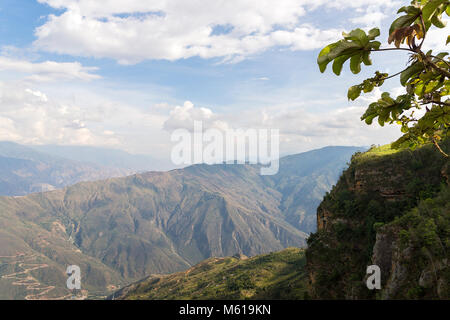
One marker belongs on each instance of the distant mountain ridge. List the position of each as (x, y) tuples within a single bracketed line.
[(107, 157), (24, 170), (162, 222)]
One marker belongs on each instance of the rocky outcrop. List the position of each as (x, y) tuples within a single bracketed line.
[(323, 218), (400, 268), (380, 213)]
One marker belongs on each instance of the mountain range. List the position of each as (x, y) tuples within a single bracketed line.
[(121, 230), (24, 170), (106, 157), (390, 209), (30, 169)]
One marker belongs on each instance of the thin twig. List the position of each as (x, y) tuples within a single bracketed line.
[(393, 49), (438, 69), (442, 103), (424, 31), (439, 148), (394, 75), (441, 60)]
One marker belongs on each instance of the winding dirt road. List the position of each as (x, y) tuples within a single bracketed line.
[(28, 263)]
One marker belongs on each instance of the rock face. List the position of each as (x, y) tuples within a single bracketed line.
[(391, 209), (401, 267), (386, 254), (323, 218), (382, 253)]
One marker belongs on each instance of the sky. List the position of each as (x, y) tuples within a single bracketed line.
[(125, 74)]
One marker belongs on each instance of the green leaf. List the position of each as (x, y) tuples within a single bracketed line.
[(334, 50), (322, 60), (369, 119), (431, 86), (386, 97), (410, 72), (366, 58), (409, 10), (374, 45), (356, 46), (357, 35), (418, 90), (442, 55), (368, 86), (338, 64), (430, 8), (354, 92), (355, 63), (448, 39), (375, 32), (437, 21), (403, 21), (370, 113)]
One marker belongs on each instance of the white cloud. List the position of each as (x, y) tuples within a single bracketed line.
[(372, 13), (436, 38), (72, 115), (136, 30), (370, 18), (49, 70), (300, 128), (29, 116), (184, 117)]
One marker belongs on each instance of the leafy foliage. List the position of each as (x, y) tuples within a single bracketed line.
[(426, 79), (425, 231), (355, 46)]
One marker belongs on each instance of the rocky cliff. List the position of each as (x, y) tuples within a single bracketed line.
[(392, 209)]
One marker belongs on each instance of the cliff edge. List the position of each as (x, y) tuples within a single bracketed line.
[(392, 209)]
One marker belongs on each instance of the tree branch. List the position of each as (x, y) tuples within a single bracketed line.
[(437, 68), (424, 31), (439, 148), (393, 49), (442, 103), (441, 60), (394, 75)]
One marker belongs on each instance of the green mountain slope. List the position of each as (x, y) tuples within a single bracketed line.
[(272, 276)]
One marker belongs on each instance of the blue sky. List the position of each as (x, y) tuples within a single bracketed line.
[(114, 73)]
